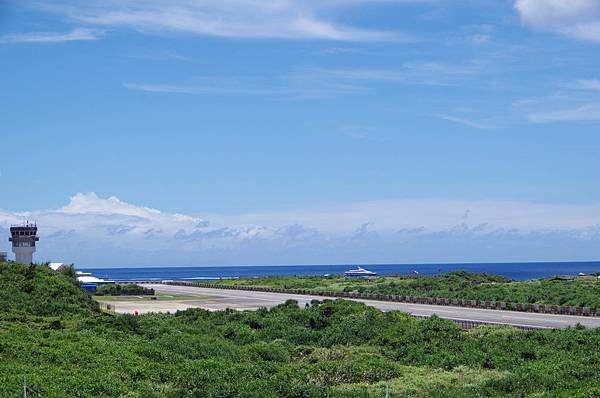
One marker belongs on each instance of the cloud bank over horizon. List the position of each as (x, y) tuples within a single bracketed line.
[(95, 231)]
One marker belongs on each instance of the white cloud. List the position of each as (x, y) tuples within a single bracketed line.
[(77, 34), (91, 204), (575, 18), (91, 230), (283, 19)]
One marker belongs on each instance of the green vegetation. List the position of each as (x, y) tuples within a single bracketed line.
[(51, 332), (130, 289), (37, 290), (584, 292)]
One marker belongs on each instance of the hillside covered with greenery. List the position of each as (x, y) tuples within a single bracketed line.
[(37, 290), (584, 292), (52, 334)]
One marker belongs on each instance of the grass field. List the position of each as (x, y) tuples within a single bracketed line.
[(157, 297), (584, 292)]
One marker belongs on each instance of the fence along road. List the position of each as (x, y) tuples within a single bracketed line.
[(242, 299)]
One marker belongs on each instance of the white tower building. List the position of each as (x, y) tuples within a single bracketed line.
[(23, 240)]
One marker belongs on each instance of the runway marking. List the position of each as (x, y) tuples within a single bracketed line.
[(525, 319)]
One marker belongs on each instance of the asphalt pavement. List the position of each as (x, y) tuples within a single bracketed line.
[(220, 299)]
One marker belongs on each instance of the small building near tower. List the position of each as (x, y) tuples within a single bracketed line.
[(57, 266), (23, 238)]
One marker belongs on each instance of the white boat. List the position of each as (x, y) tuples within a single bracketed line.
[(93, 279), (359, 271)]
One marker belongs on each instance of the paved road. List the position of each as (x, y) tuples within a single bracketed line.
[(246, 300)]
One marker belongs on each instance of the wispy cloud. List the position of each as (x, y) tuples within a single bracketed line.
[(336, 50), (164, 88), (586, 84), (77, 34), (358, 132), (382, 75), (286, 19), (577, 101), (466, 122), (160, 55), (413, 72), (313, 82), (479, 38), (280, 87), (584, 113)]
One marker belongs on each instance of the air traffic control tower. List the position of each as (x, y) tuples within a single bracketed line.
[(23, 238)]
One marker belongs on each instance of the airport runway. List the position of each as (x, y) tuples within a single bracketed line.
[(220, 299)]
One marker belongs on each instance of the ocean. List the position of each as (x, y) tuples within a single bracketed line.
[(519, 271)]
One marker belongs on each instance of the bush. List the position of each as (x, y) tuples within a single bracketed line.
[(123, 290), (37, 290)]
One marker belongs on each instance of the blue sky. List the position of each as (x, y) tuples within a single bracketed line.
[(265, 132)]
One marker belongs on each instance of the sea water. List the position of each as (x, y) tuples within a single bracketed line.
[(520, 271)]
